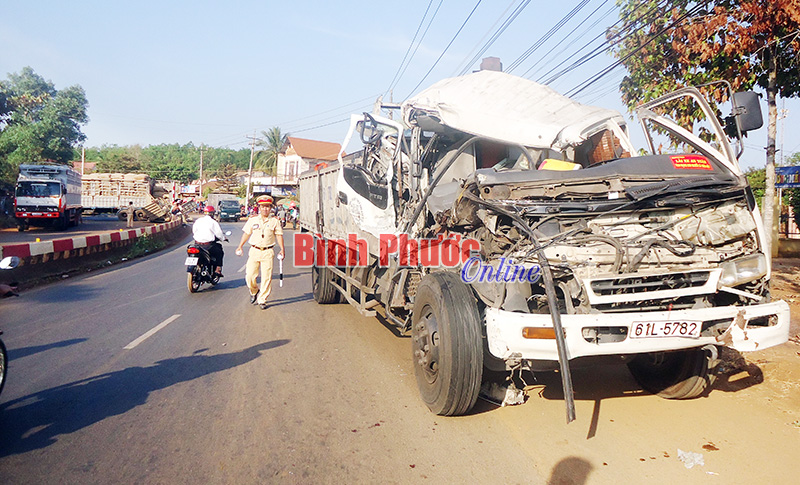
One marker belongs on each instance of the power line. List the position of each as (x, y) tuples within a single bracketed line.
[(577, 89), (602, 48), (400, 67), (495, 36), (557, 54), (392, 86), (368, 98), (446, 48), (536, 45)]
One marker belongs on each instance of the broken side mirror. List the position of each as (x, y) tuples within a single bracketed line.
[(745, 115)]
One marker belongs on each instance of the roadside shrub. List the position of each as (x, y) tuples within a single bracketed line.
[(145, 245)]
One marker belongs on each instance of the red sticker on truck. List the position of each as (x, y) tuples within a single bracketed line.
[(691, 162)]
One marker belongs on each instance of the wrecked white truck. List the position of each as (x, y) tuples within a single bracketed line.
[(571, 246)]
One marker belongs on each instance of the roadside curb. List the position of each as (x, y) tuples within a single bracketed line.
[(81, 245)]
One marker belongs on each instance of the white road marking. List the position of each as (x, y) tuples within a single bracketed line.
[(242, 268), (150, 332)]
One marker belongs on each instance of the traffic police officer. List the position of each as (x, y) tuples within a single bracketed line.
[(262, 232)]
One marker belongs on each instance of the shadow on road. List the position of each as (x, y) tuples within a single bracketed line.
[(34, 421), (35, 349), (287, 301), (570, 471)]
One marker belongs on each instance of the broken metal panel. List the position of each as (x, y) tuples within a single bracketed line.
[(508, 108)]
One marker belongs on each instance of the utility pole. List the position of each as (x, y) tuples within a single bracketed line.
[(201, 170), (250, 170), (782, 114)]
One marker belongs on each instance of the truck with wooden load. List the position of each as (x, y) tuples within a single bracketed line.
[(508, 228), (113, 192), (47, 194)]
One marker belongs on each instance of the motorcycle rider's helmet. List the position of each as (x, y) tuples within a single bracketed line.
[(209, 209)]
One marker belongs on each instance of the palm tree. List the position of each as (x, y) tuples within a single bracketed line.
[(272, 142)]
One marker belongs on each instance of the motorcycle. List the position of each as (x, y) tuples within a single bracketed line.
[(10, 262), (198, 266)]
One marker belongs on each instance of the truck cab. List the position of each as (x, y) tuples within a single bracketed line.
[(47, 195)]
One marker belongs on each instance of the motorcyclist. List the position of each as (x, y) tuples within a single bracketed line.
[(207, 233)]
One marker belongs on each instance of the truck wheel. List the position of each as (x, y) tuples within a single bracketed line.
[(324, 291), (446, 344), (121, 215), (682, 374), (140, 216)]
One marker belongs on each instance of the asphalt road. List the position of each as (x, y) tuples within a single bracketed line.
[(224, 392)]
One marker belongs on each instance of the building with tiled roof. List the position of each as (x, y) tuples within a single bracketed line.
[(300, 154)]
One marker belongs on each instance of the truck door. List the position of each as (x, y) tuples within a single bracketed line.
[(365, 179)]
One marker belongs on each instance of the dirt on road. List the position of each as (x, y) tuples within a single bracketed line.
[(746, 430)]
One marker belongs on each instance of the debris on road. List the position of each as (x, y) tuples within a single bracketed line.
[(502, 394), (690, 459)]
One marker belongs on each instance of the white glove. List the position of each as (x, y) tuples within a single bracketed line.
[(239, 252)]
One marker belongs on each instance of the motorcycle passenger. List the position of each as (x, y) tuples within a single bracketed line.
[(207, 233)]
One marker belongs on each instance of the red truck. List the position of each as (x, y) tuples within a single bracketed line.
[(47, 195)]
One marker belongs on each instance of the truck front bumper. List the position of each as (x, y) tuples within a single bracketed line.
[(504, 331), (37, 215)]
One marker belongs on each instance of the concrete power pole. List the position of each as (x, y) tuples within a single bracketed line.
[(200, 194), (250, 170)]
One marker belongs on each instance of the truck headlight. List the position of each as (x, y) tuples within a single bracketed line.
[(743, 270)]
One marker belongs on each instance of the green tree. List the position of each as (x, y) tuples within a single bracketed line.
[(37, 121), (746, 42), (226, 179), (272, 142)]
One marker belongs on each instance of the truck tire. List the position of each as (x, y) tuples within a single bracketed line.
[(62, 222), (681, 374), (324, 292), (446, 344)]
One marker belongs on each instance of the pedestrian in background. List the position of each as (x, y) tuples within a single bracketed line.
[(130, 211), (262, 232)]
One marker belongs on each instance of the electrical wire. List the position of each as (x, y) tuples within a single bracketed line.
[(511, 18), (553, 30), (417, 47), (555, 54), (579, 88), (445, 49), (601, 49), (400, 67)]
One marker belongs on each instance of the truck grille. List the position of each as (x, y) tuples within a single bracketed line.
[(644, 284), (627, 290)]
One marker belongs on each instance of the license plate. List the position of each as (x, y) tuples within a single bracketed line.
[(36, 213), (674, 328), (190, 261)]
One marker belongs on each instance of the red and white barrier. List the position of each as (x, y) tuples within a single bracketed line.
[(25, 250)]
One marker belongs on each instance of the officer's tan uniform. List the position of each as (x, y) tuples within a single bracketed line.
[(263, 233)]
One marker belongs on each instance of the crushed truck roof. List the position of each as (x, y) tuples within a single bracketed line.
[(507, 108)]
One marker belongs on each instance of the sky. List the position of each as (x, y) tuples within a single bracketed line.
[(214, 73)]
